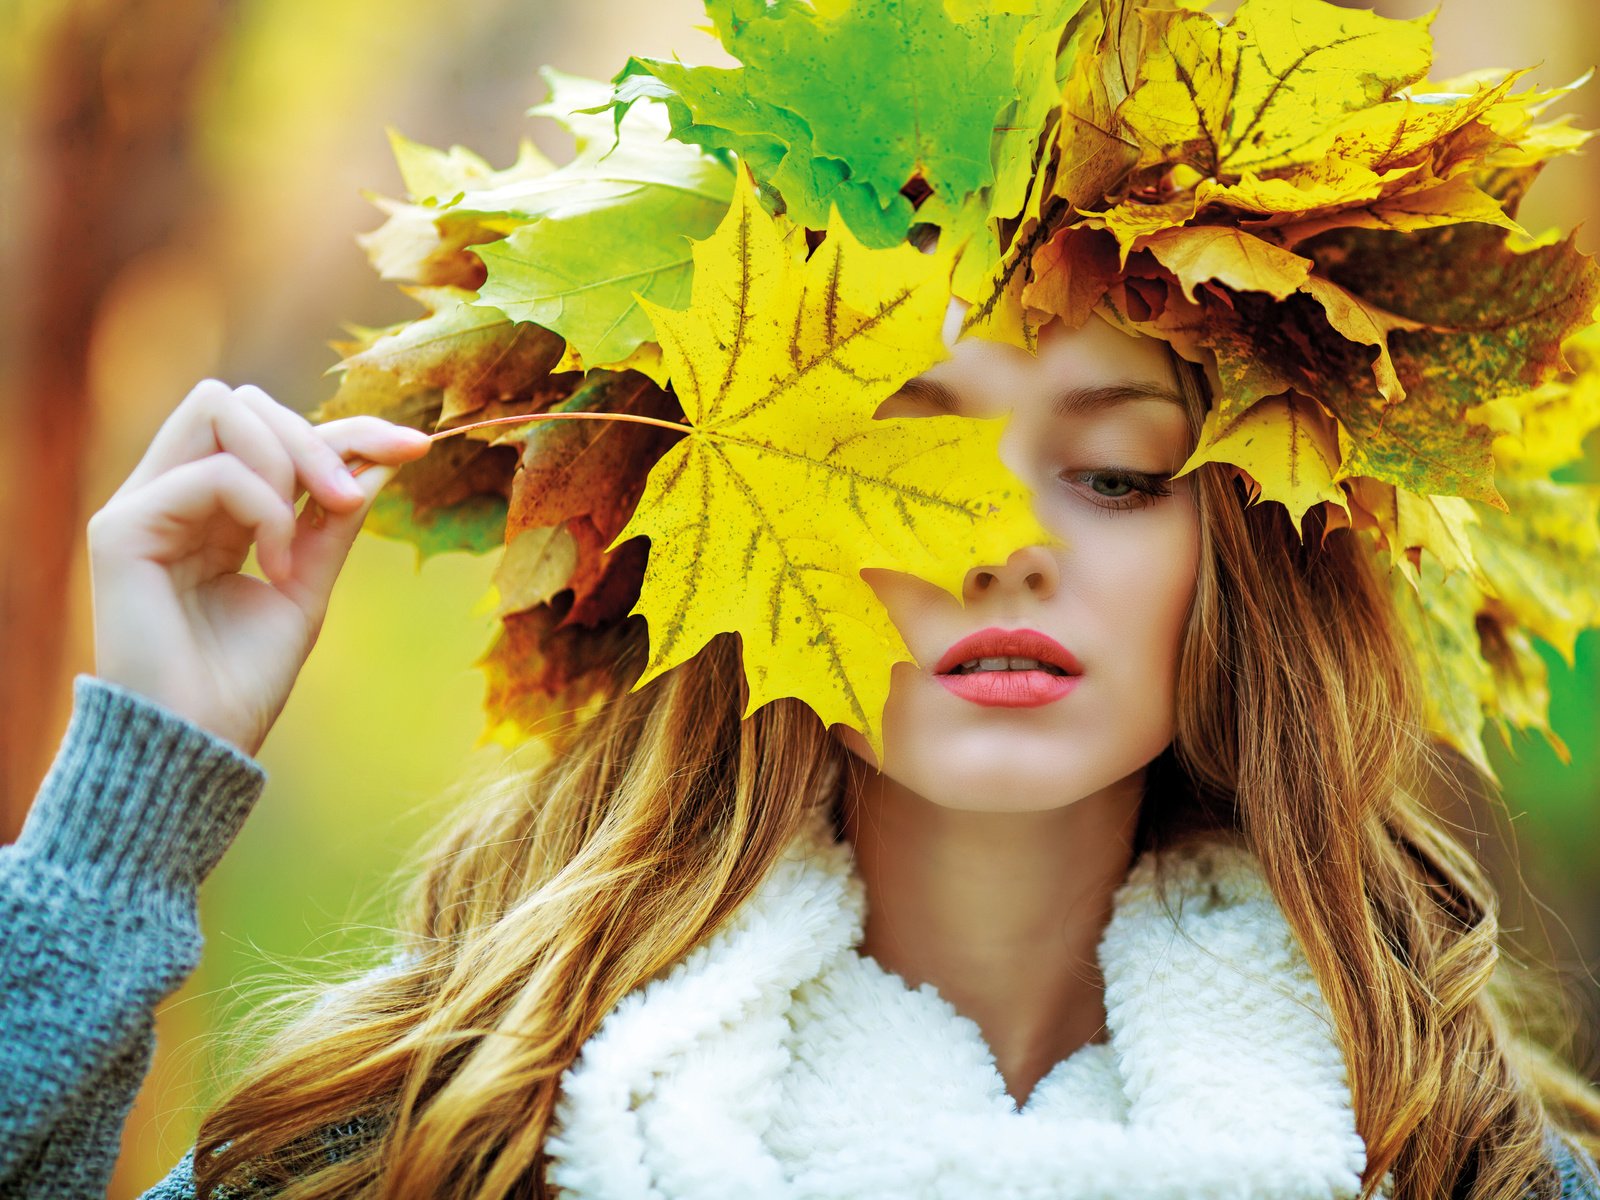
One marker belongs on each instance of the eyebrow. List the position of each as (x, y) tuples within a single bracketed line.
[(1072, 402)]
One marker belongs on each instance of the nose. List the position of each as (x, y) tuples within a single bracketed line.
[(1032, 567)]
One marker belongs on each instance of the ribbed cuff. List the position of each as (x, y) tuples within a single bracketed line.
[(138, 797)]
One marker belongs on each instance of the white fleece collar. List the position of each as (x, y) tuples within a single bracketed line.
[(778, 1061)]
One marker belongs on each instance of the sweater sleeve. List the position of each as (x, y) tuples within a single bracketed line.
[(1580, 1175), (99, 922)]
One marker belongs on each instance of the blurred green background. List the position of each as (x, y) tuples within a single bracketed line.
[(180, 189)]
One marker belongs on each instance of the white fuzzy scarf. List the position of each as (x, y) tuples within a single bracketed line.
[(778, 1061)]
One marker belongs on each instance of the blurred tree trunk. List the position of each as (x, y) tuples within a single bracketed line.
[(107, 145)]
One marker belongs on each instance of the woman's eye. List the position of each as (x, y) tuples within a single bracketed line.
[(1116, 489)]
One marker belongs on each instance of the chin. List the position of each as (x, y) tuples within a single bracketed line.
[(1021, 794), (978, 768)]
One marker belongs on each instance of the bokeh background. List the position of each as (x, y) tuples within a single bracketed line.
[(181, 183)]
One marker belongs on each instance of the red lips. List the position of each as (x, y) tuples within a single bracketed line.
[(996, 642)]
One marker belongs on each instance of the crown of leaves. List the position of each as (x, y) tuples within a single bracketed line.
[(683, 333)]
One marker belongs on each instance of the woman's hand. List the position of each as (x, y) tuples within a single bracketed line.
[(173, 617)]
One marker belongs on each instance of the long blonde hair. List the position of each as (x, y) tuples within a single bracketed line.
[(1300, 733)]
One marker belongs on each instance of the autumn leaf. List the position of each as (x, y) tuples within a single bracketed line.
[(1554, 420), (1440, 621), (538, 562), (459, 360), (646, 360), (1071, 273), (1521, 678), (796, 113), (1411, 526), (1092, 153), (997, 309), (1476, 649), (1543, 557), (1364, 323), (1286, 444), (1257, 345), (1196, 254), (595, 235), (1391, 133), (761, 520), (1131, 221), (1466, 354), (585, 477), (424, 241), (1325, 187), (452, 498), (543, 676), (473, 355), (1261, 92)]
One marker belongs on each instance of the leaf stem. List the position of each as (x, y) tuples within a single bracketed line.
[(547, 416), (565, 416), (361, 464)]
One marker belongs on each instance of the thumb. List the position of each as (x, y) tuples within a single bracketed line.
[(323, 539)]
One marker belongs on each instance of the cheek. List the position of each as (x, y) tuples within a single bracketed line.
[(1136, 590)]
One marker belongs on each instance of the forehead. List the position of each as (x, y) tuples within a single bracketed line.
[(1076, 372)]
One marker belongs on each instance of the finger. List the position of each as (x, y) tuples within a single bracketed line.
[(322, 543), (319, 469), (172, 517), (373, 439), (211, 419)]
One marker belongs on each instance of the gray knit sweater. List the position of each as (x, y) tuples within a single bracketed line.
[(99, 923)]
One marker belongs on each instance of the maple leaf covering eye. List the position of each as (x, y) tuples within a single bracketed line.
[(761, 518)]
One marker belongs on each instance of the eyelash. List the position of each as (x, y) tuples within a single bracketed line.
[(1146, 488)]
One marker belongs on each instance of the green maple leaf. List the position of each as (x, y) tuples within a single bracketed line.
[(958, 94), (761, 519), (583, 240)]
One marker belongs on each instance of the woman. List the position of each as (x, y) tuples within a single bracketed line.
[(1140, 898), (998, 866)]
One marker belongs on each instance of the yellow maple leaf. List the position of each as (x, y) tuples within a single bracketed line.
[(998, 311), (1286, 444), (1390, 133), (1414, 527), (1263, 91), (1131, 220), (1449, 203), (1228, 254), (761, 519), (1327, 185)]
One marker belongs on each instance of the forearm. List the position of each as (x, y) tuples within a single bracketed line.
[(99, 923)]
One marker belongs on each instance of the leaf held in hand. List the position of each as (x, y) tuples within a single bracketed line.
[(761, 520)]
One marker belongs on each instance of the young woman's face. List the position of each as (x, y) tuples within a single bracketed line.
[(1115, 594)]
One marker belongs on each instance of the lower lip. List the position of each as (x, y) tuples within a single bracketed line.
[(1010, 689)]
